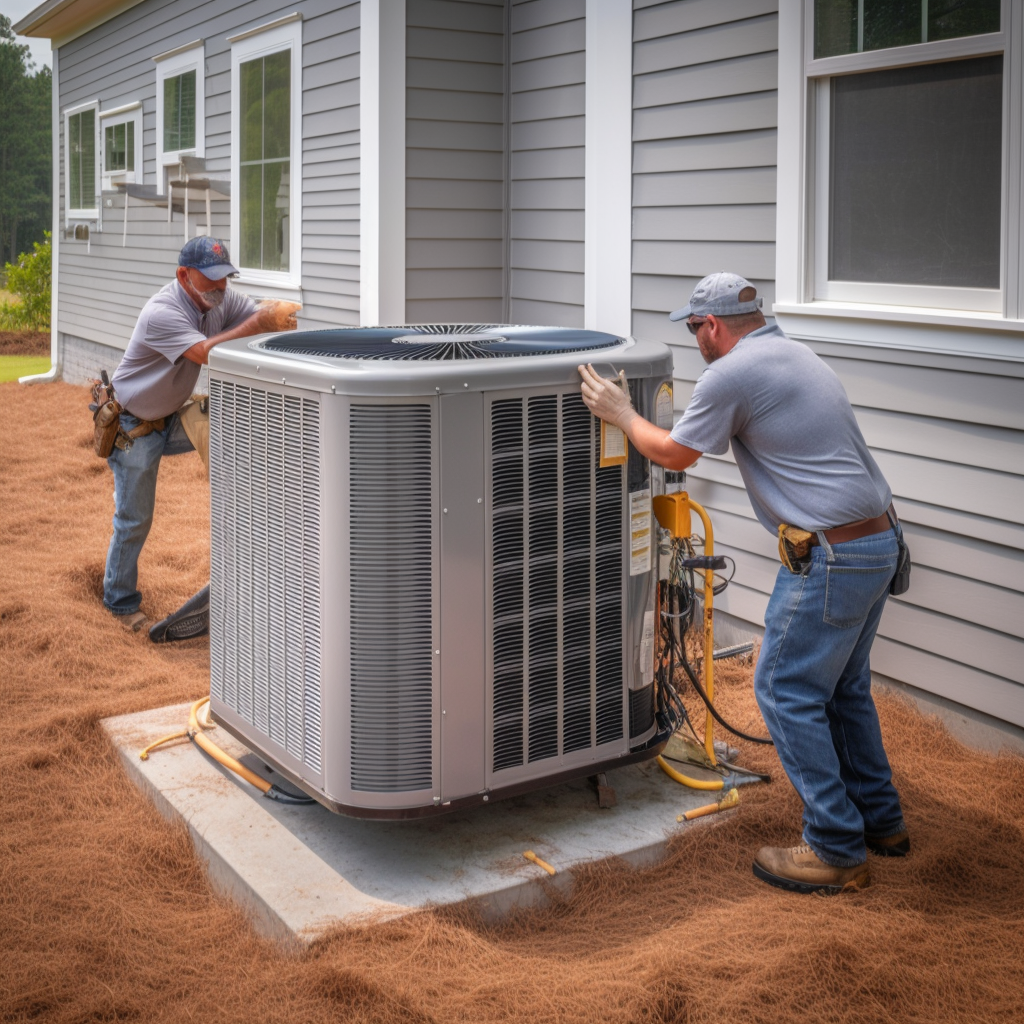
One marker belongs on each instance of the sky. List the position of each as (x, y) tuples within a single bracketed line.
[(16, 10)]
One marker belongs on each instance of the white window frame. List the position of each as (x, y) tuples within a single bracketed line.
[(804, 111), (190, 57), (129, 112), (281, 34), (85, 212)]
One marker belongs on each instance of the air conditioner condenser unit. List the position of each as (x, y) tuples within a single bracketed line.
[(426, 590)]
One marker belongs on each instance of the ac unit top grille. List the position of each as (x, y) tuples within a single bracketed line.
[(443, 342)]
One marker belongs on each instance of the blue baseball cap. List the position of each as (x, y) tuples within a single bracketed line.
[(721, 294), (207, 255)]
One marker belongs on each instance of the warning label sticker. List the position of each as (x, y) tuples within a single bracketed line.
[(639, 532), (647, 649)]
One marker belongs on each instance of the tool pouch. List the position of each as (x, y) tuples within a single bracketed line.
[(106, 422), (901, 579), (795, 548)]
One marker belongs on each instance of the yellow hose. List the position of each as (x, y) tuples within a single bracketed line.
[(195, 732), (685, 780)]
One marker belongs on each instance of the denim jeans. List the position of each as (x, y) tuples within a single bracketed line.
[(813, 685), (134, 498)]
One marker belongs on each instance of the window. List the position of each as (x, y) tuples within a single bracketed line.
[(910, 162), (266, 145), (179, 101), (180, 105), (81, 162), (121, 140)]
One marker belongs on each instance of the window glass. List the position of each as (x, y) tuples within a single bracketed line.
[(119, 147), (265, 164), (915, 175), (853, 26), (180, 112), (82, 160)]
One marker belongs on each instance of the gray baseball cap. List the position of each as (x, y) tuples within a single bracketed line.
[(721, 294)]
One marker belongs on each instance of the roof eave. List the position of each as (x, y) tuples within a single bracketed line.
[(63, 20)]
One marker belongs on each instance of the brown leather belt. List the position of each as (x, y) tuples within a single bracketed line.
[(854, 531)]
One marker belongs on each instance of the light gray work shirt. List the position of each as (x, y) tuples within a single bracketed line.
[(154, 378), (796, 442)]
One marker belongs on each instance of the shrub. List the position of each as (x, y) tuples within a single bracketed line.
[(29, 279)]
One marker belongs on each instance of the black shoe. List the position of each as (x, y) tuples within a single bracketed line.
[(190, 620), (891, 846)]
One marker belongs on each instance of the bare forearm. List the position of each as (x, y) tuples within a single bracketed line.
[(656, 443), (200, 351)]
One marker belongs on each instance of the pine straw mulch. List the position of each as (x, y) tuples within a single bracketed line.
[(24, 343), (106, 913)]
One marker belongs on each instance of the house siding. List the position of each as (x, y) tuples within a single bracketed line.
[(546, 188), (113, 64), (947, 431), (455, 161)]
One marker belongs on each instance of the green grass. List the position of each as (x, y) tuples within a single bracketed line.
[(6, 296), (13, 367)]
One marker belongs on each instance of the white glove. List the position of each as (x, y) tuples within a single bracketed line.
[(607, 399)]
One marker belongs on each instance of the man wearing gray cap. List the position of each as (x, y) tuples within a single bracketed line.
[(810, 479), (153, 385)]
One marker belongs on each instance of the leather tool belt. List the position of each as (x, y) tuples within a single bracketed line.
[(795, 544), (106, 419)]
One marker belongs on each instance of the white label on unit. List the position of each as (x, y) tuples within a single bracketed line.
[(663, 407), (639, 532), (647, 649)]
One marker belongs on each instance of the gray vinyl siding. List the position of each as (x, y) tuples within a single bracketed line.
[(104, 284), (947, 431), (547, 110), (455, 157)]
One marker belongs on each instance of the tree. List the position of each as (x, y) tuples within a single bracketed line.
[(25, 147)]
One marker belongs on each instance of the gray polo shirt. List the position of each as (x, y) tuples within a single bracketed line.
[(154, 378), (796, 442)]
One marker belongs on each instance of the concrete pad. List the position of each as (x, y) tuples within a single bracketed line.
[(300, 869)]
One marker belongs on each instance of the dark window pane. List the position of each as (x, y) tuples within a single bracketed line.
[(891, 23), (87, 159), (74, 144), (187, 110), (251, 216), (265, 147), (916, 170), (276, 207), (948, 19), (180, 112), (897, 23), (835, 27), (277, 105), (130, 146)]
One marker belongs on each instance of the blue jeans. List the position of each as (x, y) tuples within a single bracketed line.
[(813, 685), (134, 498)]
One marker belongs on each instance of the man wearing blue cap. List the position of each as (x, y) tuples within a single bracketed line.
[(811, 479), (154, 382)]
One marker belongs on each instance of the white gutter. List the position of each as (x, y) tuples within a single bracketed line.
[(55, 365)]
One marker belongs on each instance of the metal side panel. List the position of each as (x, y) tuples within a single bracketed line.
[(556, 589), (393, 603), (463, 717), (265, 601), (336, 592)]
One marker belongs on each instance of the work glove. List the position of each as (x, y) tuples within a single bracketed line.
[(607, 399), (277, 315)]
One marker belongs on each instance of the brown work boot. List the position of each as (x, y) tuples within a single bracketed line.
[(890, 846), (799, 869), (133, 622)]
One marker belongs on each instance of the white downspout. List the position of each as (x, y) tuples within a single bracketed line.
[(54, 372)]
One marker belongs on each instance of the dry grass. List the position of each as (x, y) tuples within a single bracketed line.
[(106, 913)]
